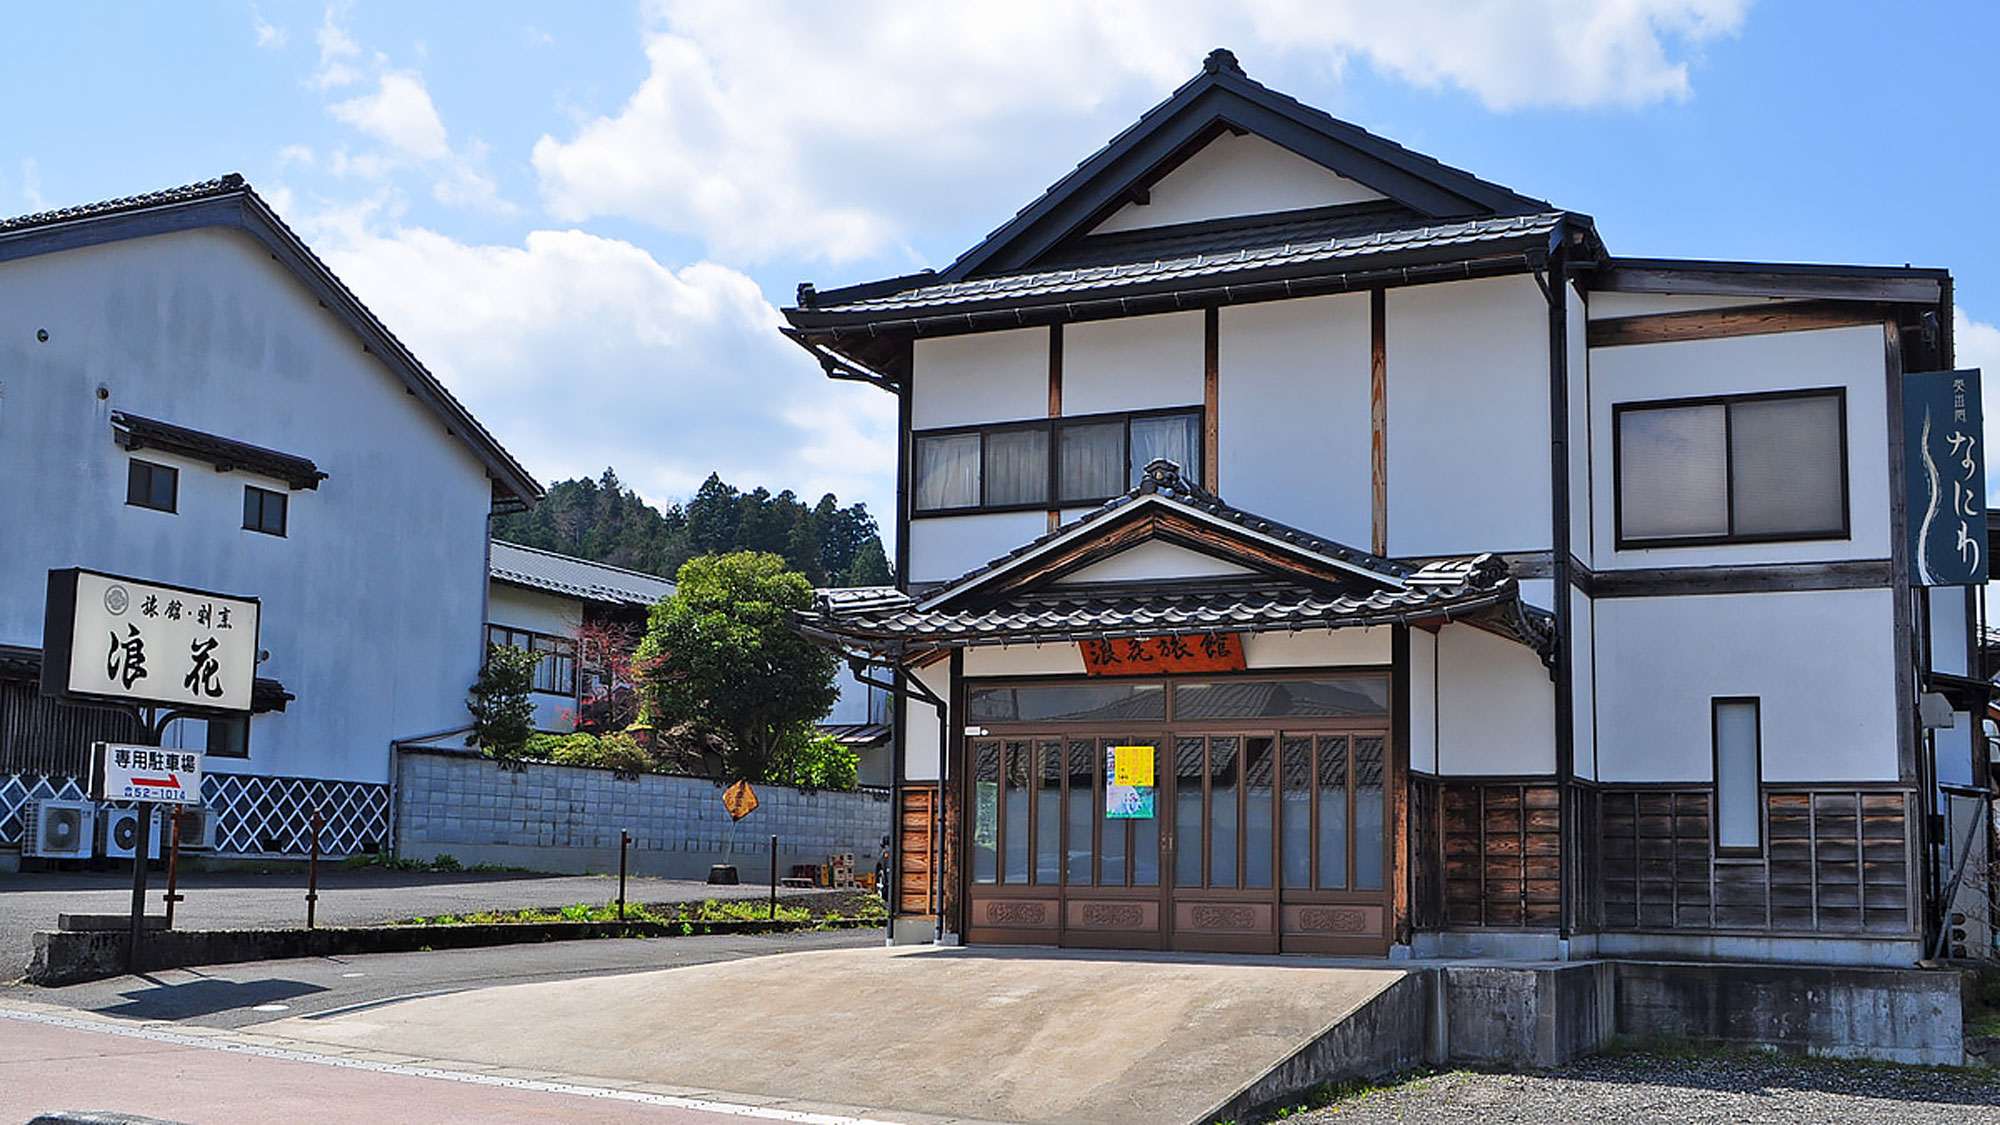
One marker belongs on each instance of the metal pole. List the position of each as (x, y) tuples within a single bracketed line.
[(312, 872), (140, 850), (173, 864), (624, 841), (774, 877)]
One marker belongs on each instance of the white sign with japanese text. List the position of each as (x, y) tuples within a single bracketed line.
[(146, 773), (149, 643)]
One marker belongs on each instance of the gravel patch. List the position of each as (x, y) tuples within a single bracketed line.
[(1702, 1089)]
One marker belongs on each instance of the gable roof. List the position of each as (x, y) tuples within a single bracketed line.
[(230, 203), (536, 569)]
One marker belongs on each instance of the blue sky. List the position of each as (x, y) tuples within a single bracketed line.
[(584, 216)]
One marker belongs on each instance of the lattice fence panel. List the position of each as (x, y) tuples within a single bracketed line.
[(273, 815), (16, 790)]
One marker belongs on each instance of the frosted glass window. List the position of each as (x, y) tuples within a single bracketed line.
[(947, 472), (1092, 461), (1785, 463), (1673, 472), (1017, 467), (1738, 775), (1175, 437)]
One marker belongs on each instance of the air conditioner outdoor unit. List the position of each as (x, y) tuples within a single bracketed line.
[(197, 829), (57, 829), (119, 834)]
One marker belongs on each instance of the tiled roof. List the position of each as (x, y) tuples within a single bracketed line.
[(187, 193), (1280, 248), (574, 577)]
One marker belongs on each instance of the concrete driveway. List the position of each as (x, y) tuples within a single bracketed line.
[(999, 1035)]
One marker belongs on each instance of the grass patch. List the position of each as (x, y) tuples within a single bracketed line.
[(378, 861), (858, 908)]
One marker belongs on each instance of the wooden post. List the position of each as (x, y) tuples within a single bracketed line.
[(624, 842), (140, 855), (312, 872), (774, 877), (173, 864)]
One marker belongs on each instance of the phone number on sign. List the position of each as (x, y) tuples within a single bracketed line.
[(153, 793)]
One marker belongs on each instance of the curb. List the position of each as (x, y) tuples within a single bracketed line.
[(62, 958)]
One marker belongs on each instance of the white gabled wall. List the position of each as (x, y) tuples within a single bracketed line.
[(1583, 684), (1152, 561), (1237, 175), (980, 378), (1293, 414), (373, 603), (1496, 706), (1852, 358), (1133, 363), (1423, 700), (1468, 410), (1823, 664)]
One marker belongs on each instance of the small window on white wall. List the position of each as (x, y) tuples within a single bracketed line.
[(1739, 776)]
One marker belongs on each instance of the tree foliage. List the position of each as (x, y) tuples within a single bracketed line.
[(503, 715), (607, 522), (722, 654)]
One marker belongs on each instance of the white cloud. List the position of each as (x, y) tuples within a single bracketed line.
[(269, 37), (336, 48), (769, 129), (401, 115), (580, 351), (1977, 344), (31, 184)]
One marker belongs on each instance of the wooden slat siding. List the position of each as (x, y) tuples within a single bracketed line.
[(1715, 324), (40, 735), (1502, 854), (1426, 857), (1837, 861), (913, 822), (1587, 884)]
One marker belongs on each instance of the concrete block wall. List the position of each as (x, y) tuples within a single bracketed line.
[(566, 819)]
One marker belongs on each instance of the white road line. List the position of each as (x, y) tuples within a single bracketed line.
[(160, 1035)]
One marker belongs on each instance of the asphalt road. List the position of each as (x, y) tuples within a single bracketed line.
[(248, 900), (242, 995)]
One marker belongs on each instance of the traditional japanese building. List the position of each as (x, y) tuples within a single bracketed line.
[(189, 396), (1304, 545)]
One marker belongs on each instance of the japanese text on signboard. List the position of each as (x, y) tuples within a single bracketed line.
[(146, 773), (154, 644), (1943, 437), (1138, 656)]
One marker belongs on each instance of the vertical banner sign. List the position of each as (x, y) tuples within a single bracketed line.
[(1944, 450), (1128, 785)]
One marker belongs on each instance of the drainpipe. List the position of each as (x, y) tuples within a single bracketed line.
[(1556, 290)]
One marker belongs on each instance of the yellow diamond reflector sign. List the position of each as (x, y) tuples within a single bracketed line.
[(740, 800)]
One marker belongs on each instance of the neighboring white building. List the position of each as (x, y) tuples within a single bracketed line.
[(1493, 594), (541, 601), (188, 395)]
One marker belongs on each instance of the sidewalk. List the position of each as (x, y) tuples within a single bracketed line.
[(51, 1061)]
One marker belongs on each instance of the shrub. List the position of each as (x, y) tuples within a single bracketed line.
[(503, 716), (612, 751), (814, 760)]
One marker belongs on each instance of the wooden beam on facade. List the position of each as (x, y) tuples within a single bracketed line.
[(1211, 395), (1715, 324), (1378, 421)]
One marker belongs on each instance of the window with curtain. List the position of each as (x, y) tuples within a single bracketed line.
[(1065, 461), (1745, 468)]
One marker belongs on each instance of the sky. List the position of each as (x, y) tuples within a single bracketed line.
[(585, 217)]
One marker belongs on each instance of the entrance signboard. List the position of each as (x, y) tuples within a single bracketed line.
[(1945, 474), (121, 640), (1174, 652), (145, 773)]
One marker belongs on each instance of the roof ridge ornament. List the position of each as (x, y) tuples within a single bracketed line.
[(1222, 60), (1163, 474)]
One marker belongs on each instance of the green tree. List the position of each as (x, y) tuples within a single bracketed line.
[(503, 715), (722, 654)]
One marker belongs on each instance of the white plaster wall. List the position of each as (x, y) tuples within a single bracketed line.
[(1581, 543), (551, 615), (979, 378), (1134, 363), (1605, 304), (1237, 175), (1583, 684), (1539, 592), (1948, 616), (944, 547), (373, 604), (1496, 706), (1837, 357), (1317, 648), (1152, 561), (1822, 662), (1468, 432), (921, 747), (1293, 414), (1423, 701), (1024, 660)]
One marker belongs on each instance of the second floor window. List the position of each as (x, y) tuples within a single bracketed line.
[(1062, 461), (264, 510), (1741, 469), (555, 671), (148, 485)]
